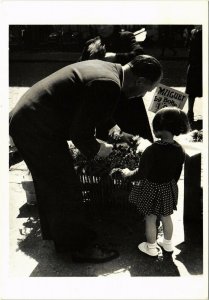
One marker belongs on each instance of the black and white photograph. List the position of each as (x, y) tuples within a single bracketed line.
[(104, 178)]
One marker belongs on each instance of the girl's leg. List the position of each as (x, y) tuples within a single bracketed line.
[(166, 243), (151, 230), (167, 227), (150, 247)]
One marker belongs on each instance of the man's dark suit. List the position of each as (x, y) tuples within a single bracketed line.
[(67, 105)]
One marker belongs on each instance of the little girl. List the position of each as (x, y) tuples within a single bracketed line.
[(156, 193)]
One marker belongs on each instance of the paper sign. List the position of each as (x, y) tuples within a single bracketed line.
[(165, 96), (140, 35)]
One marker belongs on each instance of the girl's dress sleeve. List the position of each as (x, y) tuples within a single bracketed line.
[(144, 165), (179, 167), (178, 173)]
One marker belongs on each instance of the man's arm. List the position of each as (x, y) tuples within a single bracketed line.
[(98, 104)]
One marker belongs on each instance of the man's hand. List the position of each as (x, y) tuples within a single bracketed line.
[(115, 133), (126, 137), (105, 149)]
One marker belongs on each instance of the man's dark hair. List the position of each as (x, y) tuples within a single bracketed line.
[(146, 66), (171, 119)]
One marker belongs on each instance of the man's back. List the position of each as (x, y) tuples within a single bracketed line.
[(91, 86)]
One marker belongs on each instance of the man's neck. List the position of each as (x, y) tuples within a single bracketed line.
[(128, 78)]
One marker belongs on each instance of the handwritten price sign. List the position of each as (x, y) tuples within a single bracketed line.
[(165, 96)]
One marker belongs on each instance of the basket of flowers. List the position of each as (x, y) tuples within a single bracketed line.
[(101, 182)]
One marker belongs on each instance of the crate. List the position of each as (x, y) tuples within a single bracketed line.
[(105, 192), (97, 192)]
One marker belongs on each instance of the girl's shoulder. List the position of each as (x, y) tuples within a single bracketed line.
[(161, 143), (175, 145), (158, 147)]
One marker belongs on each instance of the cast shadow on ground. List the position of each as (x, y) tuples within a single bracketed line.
[(118, 230), (191, 251)]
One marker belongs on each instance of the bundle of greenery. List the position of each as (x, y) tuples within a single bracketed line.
[(122, 156)]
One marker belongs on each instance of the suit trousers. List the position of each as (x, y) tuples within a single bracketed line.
[(58, 190)]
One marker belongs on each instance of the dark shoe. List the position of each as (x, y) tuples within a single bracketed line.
[(95, 254), (71, 243)]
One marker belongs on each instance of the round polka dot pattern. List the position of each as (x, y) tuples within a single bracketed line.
[(155, 198)]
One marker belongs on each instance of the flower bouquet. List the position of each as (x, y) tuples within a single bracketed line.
[(122, 156)]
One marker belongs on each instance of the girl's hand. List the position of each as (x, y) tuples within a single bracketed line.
[(120, 173), (125, 172)]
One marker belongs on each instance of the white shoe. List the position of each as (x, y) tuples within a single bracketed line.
[(150, 251), (166, 247)]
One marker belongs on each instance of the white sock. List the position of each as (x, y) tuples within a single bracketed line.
[(168, 242), (151, 246)]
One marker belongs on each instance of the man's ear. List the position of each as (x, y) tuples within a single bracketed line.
[(140, 81)]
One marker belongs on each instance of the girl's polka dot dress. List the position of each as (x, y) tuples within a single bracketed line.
[(155, 198)]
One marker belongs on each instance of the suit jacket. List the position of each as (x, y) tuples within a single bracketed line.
[(71, 102)]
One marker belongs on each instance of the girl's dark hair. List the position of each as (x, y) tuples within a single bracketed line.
[(146, 66), (171, 119)]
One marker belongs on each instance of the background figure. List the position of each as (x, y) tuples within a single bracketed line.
[(167, 39), (194, 71), (120, 47), (93, 49)]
